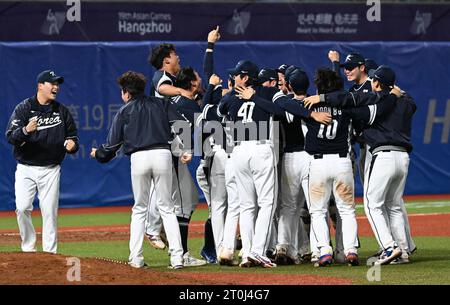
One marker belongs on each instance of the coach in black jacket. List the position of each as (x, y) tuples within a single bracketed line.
[(41, 130)]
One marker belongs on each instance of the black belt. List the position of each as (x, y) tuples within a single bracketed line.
[(320, 156)]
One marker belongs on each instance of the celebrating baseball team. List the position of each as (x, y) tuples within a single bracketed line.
[(277, 166)]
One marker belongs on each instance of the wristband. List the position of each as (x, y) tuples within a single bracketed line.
[(210, 45)]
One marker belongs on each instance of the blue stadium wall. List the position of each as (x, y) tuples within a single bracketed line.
[(90, 90)]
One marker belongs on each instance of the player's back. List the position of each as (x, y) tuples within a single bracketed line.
[(247, 113), (395, 127), (328, 139)]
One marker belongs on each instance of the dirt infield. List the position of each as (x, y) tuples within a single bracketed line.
[(42, 268)]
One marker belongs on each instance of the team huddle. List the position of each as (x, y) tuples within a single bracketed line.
[(277, 166)]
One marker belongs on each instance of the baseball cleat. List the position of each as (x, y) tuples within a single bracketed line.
[(306, 257), (138, 266), (209, 256), (388, 256), (281, 257), (190, 261), (156, 241), (225, 257), (325, 260), (352, 259), (403, 259), (245, 263), (259, 260)]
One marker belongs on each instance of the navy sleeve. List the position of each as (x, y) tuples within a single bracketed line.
[(369, 114), (293, 107), (107, 151), (213, 95), (71, 130), (267, 106), (336, 67), (345, 99), (223, 105), (208, 65), (15, 131)]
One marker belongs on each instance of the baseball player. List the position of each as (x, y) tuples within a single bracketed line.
[(253, 160), (151, 161), (389, 142), (355, 67), (294, 171), (42, 131)]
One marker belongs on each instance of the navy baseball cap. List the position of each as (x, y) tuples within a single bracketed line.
[(267, 75), (49, 76), (384, 75), (353, 60), (298, 80), (289, 71), (370, 65), (245, 67), (282, 68)]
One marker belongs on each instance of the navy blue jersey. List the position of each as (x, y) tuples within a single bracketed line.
[(293, 138), (248, 112), (394, 128), (187, 108), (45, 146), (328, 139), (159, 78), (141, 124)]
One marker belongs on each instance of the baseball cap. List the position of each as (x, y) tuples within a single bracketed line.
[(267, 75), (282, 68), (384, 75), (353, 60), (49, 76), (298, 80), (370, 65), (289, 70), (245, 67)]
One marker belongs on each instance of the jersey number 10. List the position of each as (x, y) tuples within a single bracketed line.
[(330, 132), (246, 112)]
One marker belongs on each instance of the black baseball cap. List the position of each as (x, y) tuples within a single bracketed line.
[(384, 75), (245, 67), (49, 76), (353, 60), (267, 75), (370, 65), (282, 68), (298, 80)]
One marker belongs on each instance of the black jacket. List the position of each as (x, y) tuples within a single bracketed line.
[(141, 124), (45, 146)]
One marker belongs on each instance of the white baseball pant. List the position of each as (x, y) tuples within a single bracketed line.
[(232, 217), (255, 174), (332, 174), (184, 196), (146, 167), (395, 226), (384, 186), (294, 185), (45, 181)]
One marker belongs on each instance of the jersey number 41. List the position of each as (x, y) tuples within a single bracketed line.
[(246, 112)]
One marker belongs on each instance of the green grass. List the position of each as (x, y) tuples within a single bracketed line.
[(429, 265)]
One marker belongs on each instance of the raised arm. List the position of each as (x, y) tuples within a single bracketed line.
[(208, 60)]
